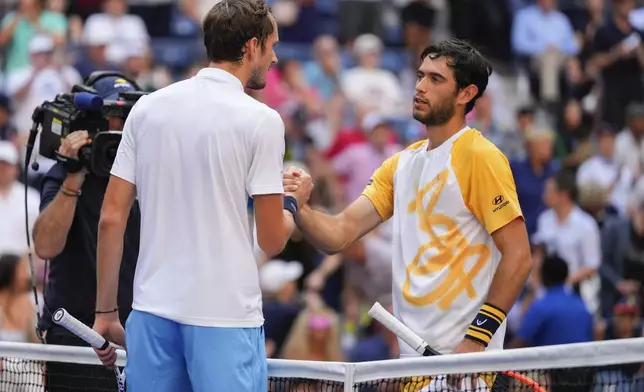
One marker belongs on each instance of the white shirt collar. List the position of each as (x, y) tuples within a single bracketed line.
[(220, 75)]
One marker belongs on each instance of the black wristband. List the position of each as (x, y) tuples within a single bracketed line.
[(485, 324), (290, 205), (71, 165)]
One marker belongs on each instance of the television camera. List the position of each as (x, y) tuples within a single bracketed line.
[(83, 110)]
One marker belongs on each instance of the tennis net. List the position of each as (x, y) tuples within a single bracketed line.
[(611, 366)]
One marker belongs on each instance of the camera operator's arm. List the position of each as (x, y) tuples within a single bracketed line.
[(59, 194)]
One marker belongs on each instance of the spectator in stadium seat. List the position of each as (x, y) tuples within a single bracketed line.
[(625, 324), (380, 346), (358, 161), (125, 30), (629, 144), (17, 310), (559, 316), (12, 202), (531, 173), (617, 51), (278, 280), (604, 169), (622, 270), (566, 230), (18, 28), (8, 131), (369, 87), (324, 72), (546, 38), (315, 335)]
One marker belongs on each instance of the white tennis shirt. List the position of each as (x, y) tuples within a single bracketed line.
[(195, 151)]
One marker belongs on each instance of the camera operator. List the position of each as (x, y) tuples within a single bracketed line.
[(66, 234)]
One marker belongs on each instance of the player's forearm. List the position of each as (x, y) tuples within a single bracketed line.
[(508, 281), (325, 232), (109, 253), (52, 226)]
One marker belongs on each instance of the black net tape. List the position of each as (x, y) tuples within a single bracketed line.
[(619, 378)]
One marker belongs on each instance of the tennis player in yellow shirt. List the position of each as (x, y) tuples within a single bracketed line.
[(460, 249)]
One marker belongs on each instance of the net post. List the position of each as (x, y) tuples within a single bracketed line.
[(349, 372)]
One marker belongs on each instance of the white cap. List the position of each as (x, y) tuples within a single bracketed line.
[(276, 273), (97, 35), (41, 44), (370, 121), (367, 43), (8, 153)]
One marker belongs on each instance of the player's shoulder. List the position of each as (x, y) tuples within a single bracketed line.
[(474, 145), (392, 162)]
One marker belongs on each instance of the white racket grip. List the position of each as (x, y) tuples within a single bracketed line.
[(398, 328), (93, 338)]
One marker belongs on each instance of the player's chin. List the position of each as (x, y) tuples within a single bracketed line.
[(420, 115)]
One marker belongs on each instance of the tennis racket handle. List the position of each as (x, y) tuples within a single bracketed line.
[(71, 323), (401, 330)]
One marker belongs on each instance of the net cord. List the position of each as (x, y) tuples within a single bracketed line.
[(564, 356)]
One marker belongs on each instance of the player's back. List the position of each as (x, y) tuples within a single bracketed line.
[(197, 141)]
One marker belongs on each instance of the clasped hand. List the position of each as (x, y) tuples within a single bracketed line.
[(297, 183)]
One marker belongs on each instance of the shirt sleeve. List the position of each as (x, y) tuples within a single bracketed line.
[(488, 187), (380, 189), (124, 166), (267, 157)]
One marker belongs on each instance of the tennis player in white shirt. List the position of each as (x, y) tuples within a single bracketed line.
[(193, 153)]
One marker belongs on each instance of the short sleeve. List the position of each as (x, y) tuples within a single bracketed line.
[(124, 166), (488, 187), (267, 157), (380, 189), (54, 23)]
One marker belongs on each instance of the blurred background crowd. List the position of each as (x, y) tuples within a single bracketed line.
[(565, 104)]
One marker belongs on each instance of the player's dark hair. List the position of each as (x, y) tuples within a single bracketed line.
[(554, 271), (231, 23), (8, 265), (565, 182), (468, 65)]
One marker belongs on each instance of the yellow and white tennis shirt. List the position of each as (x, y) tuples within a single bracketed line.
[(445, 203)]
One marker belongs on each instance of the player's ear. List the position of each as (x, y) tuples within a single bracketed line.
[(252, 47), (467, 94)]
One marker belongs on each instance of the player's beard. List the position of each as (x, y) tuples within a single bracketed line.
[(257, 79), (438, 115)]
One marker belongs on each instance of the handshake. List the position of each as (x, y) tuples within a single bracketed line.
[(297, 183)]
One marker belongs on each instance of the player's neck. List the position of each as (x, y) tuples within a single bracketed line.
[(438, 134), (234, 69)]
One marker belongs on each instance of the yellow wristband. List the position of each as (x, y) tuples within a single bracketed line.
[(485, 324)]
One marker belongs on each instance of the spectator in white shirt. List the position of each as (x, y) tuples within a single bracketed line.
[(125, 29), (369, 87), (629, 144), (566, 230), (604, 170), (12, 203), (39, 82)]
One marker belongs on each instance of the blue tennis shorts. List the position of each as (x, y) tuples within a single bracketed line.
[(166, 356)]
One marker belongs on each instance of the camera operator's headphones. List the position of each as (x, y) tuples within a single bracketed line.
[(98, 75)]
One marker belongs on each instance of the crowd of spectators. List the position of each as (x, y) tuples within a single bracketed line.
[(565, 104)]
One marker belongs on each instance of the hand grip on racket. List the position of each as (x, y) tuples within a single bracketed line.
[(414, 341), (93, 338)]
